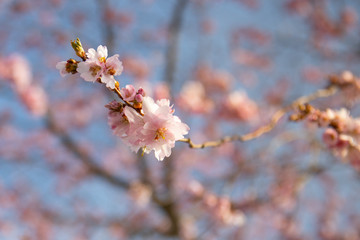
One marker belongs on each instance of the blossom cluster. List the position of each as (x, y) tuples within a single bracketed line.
[(96, 67), (211, 92), (16, 69), (349, 85), (342, 133), (138, 120), (220, 208), (154, 128)]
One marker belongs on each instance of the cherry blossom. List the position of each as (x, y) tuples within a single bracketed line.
[(122, 119), (98, 66), (156, 131), (61, 66), (193, 98), (21, 72), (238, 106), (67, 67), (128, 93), (65, 171), (161, 128), (342, 131), (35, 99)]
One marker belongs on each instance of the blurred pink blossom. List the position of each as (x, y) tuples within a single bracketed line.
[(213, 80), (136, 67), (237, 106), (161, 91), (35, 100), (193, 98), (17, 70)]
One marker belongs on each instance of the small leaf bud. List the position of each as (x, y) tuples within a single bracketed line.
[(79, 50)]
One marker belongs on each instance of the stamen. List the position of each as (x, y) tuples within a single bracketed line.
[(111, 71), (160, 133), (94, 70)]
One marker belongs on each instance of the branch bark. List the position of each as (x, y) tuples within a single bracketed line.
[(322, 93), (82, 156)]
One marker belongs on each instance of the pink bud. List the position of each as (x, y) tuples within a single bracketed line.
[(141, 91), (138, 98), (330, 137), (128, 93)]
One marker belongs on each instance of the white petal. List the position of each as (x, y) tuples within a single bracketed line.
[(102, 51), (109, 80), (148, 105), (91, 54), (83, 69), (61, 66)]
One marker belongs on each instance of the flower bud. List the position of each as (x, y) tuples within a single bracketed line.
[(71, 66), (79, 50), (138, 98), (141, 91)]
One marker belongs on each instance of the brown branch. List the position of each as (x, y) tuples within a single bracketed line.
[(170, 71), (322, 93), (173, 46), (82, 156), (89, 162)]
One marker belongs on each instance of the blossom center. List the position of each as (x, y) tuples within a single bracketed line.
[(160, 133), (102, 59), (94, 70), (111, 71)]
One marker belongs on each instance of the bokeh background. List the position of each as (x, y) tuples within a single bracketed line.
[(227, 65)]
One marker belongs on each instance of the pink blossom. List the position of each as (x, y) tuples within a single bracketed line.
[(325, 117), (67, 67), (98, 56), (118, 122), (193, 98), (98, 67), (238, 106), (161, 91), (133, 137), (213, 80), (161, 128), (117, 119), (330, 137), (342, 131), (136, 67), (20, 71), (128, 93), (125, 123), (35, 100)]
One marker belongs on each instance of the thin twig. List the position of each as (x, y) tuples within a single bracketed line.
[(126, 102), (268, 127)]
